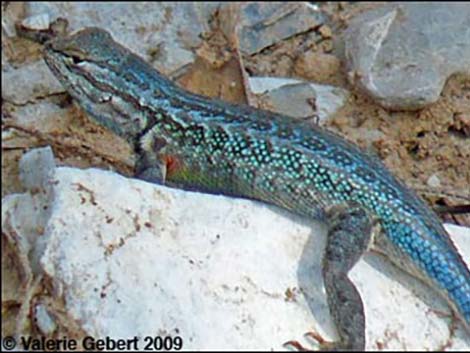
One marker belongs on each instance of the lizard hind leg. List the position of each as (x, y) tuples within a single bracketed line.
[(349, 236)]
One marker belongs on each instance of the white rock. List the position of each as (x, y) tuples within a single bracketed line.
[(132, 258), (38, 22), (295, 97), (260, 85)]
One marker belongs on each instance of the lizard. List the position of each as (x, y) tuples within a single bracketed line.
[(193, 142)]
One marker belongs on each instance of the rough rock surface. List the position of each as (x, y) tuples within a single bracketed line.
[(133, 258), (299, 99), (403, 53), (264, 24), (147, 26)]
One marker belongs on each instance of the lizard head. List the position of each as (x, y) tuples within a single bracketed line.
[(95, 70)]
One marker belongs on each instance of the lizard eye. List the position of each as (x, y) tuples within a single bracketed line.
[(76, 59)]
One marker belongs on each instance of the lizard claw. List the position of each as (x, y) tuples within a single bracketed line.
[(297, 346), (316, 336), (324, 344)]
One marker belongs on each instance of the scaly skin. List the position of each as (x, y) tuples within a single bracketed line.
[(193, 142)]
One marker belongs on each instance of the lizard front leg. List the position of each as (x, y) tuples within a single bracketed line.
[(157, 161), (151, 168)]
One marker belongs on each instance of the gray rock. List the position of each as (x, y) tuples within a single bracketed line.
[(264, 24), (299, 99), (44, 321), (169, 29), (403, 53), (28, 82), (36, 168)]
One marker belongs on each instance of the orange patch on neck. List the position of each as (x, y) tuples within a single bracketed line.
[(173, 164)]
